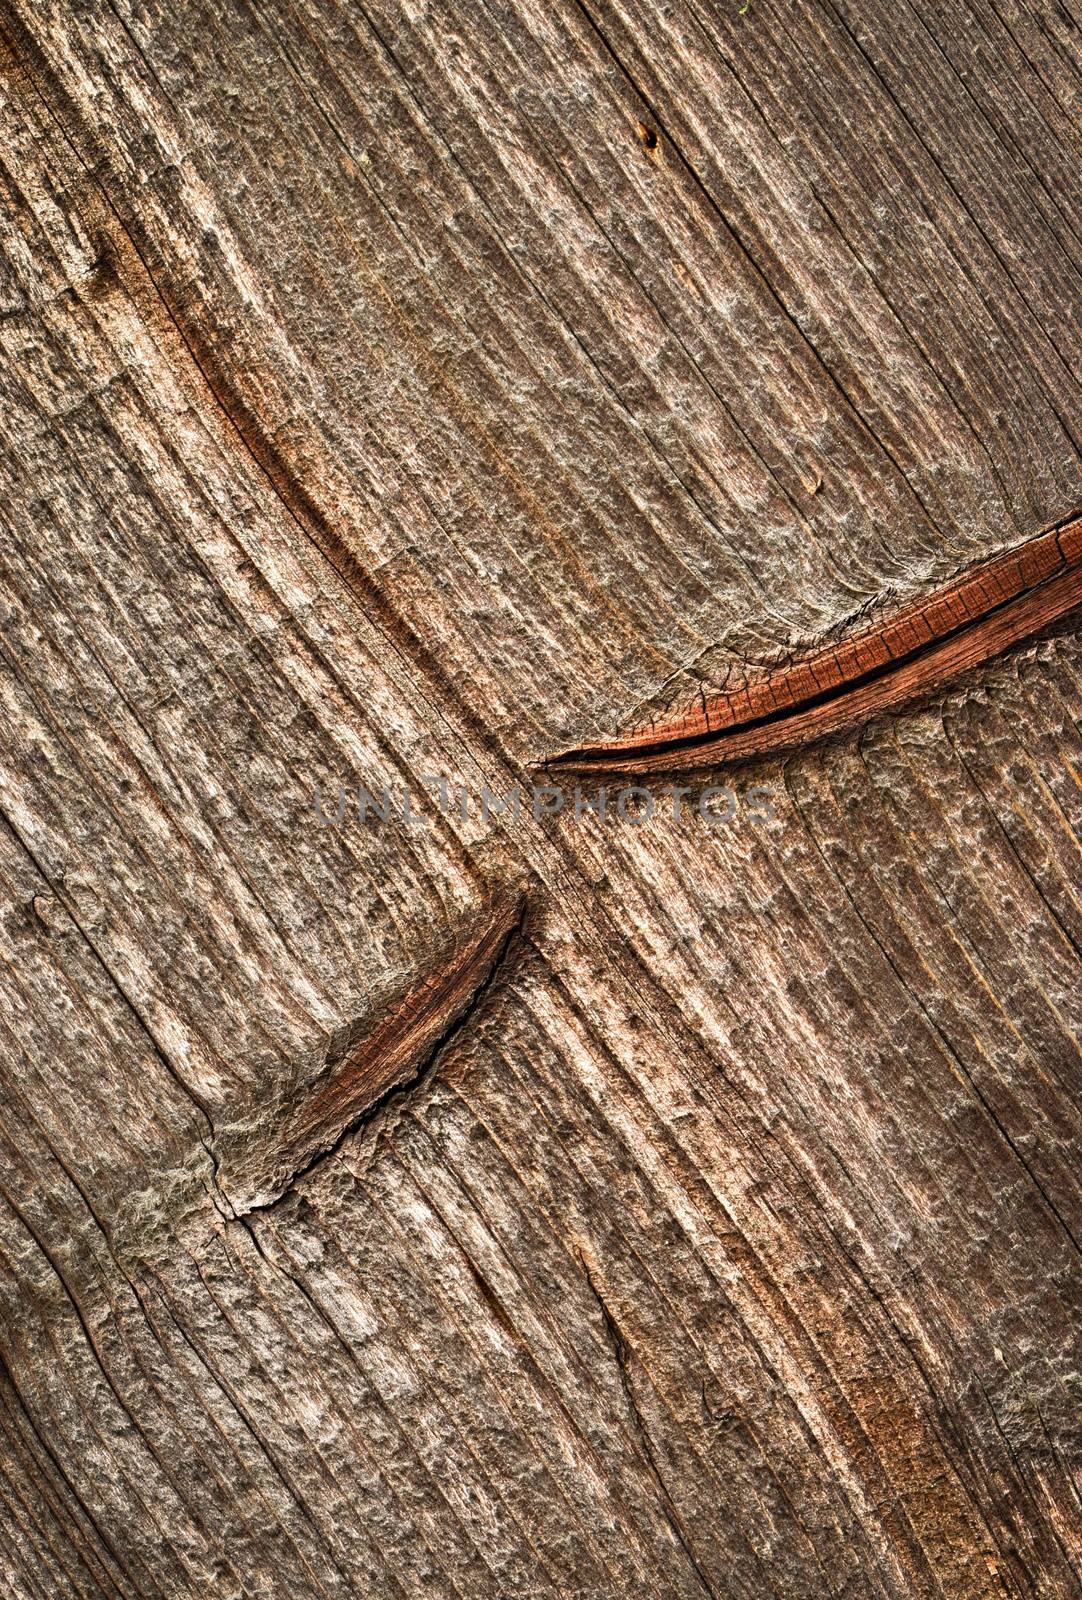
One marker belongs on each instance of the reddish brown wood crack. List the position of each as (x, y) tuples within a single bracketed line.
[(257, 1165), (913, 653)]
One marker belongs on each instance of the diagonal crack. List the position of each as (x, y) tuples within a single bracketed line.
[(369, 1068), (623, 1355), (914, 652)]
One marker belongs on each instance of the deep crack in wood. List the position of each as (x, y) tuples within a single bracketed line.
[(257, 1166), (904, 657)]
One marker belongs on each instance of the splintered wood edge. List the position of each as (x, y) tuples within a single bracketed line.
[(389, 1057), (911, 654)]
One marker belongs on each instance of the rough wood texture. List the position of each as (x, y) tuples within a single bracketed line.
[(485, 1202)]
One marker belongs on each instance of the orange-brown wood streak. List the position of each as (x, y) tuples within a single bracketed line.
[(393, 1052), (905, 656)]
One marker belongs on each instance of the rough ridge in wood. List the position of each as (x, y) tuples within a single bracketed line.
[(978, 615), (622, 1354), (364, 1065)]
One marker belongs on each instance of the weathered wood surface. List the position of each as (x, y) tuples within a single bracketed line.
[(503, 1204)]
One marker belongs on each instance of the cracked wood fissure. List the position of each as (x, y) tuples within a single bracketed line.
[(453, 1200), (364, 1065), (903, 658)]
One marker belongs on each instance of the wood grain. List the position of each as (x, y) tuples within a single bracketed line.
[(378, 405)]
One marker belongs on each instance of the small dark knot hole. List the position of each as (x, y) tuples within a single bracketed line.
[(648, 137)]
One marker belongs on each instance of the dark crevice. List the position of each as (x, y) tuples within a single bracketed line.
[(622, 1352), (1039, 607), (399, 1091)]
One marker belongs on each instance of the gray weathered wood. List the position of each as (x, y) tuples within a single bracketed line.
[(393, 393)]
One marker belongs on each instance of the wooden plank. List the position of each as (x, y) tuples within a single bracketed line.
[(482, 1202)]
